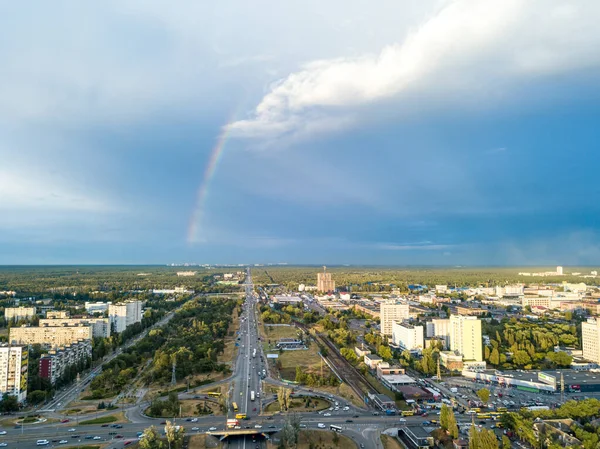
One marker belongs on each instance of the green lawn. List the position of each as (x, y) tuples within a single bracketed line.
[(101, 420)]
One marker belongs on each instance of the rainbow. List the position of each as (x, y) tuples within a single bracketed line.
[(209, 173)]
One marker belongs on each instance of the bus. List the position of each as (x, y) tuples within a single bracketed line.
[(502, 409), (483, 415), (214, 394), (335, 428), (235, 407), (408, 412), (240, 416)]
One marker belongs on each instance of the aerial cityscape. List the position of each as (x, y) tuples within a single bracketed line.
[(300, 224)]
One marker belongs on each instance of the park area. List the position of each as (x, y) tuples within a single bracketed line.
[(320, 439), (303, 404)]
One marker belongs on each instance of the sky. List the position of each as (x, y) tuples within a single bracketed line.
[(343, 132)]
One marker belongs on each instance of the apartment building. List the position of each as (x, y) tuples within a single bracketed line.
[(50, 336), (57, 314), (407, 336), (96, 307), (390, 312), (53, 365), (19, 313), (125, 314), (100, 326), (465, 337), (590, 336), (439, 328), (13, 371), (324, 281)]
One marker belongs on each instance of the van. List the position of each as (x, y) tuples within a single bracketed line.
[(42, 442)]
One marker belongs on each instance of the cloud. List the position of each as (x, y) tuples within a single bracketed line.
[(472, 46), (420, 246)]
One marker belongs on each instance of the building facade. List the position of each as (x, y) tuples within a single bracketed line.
[(439, 328), (19, 313), (54, 364), (125, 314), (49, 336), (100, 326), (13, 371), (390, 312), (590, 336), (407, 336), (465, 337), (96, 307)]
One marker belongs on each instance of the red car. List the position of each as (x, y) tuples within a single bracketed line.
[(127, 443), (118, 436), (65, 420)]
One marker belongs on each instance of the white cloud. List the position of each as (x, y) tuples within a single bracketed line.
[(471, 46)]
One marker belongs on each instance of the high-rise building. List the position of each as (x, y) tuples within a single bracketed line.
[(13, 371), (53, 365), (19, 313), (590, 337), (125, 314), (324, 281), (390, 312), (49, 336), (465, 337), (100, 326), (96, 307), (407, 336), (440, 328), (559, 270)]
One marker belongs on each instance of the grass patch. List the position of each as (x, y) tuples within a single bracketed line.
[(344, 391), (229, 350), (390, 442), (189, 407), (101, 420), (320, 438), (299, 405), (200, 442)]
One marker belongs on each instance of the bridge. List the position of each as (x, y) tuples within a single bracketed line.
[(222, 434)]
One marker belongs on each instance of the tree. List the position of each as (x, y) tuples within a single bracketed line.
[(37, 396), (150, 439), (174, 435), (494, 357), (291, 429), (505, 442), (452, 425), (9, 403), (444, 417), (484, 395)]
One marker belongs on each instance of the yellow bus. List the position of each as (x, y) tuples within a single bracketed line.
[(483, 415), (502, 409), (240, 416), (408, 412), (214, 394), (235, 407)]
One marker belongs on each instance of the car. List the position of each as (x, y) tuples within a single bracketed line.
[(97, 438), (119, 436), (162, 422), (104, 425), (402, 420), (194, 420), (326, 414), (3, 444), (271, 426), (321, 425), (257, 426), (349, 420), (71, 430), (482, 422), (269, 417), (63, 442), (88, 437), (362, 446), (42, 442), (355, 416), (2, 432), (118, 426), (212, 429), (346, 408), (127, 443), (74, 436), (112, 433), (195, 428), (64, 420)]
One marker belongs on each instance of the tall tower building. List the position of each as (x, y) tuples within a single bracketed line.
[(559, 270), (390, 312), (13, 371), (590, 336), (324, 281), (465, 337)]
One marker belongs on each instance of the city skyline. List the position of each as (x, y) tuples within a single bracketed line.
[(454, 133)]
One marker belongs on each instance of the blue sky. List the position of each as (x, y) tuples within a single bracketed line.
[(390, 132)]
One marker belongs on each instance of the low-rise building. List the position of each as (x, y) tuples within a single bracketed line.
[(372, 360), (96, 307), (361, 352), (49, 336), (417, 435), (19, 313), (451, 361)]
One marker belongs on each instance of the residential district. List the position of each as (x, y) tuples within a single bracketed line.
[(227, 362)]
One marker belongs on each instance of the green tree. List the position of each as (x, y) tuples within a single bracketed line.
[(174, 435), (150, 439), (494, 357), (484, 395), (505, 442), (452, 425), (444, 412)]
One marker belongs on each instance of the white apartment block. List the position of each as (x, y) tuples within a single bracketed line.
[(407, 336), (100, 326), (590, 336), (48, 336), (390, 312), (18, 313), (13, 371), (439, 328), (96, 307), (52, 314), (465, 337), (125, 314)]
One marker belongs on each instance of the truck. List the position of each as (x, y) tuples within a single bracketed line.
[(254, 353), (252, 395), (231, 423), (535, 408), (454, 390)]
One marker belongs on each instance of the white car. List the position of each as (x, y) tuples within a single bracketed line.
[(71, 430), (321, 425), (195, 428), (3, 444), (2, 432), (402, 420), (97, 438), (346, 409), (212, 429), (194, 420), (42, 442), (258, 426), (63, 442), (326, 414)]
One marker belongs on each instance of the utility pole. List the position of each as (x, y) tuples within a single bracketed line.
[(562, 388), (439, 372), (173, 378)]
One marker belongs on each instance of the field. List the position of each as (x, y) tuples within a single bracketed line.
[(390, 442), (309, 360), (345, 392), (320, 439), (298, 405)]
